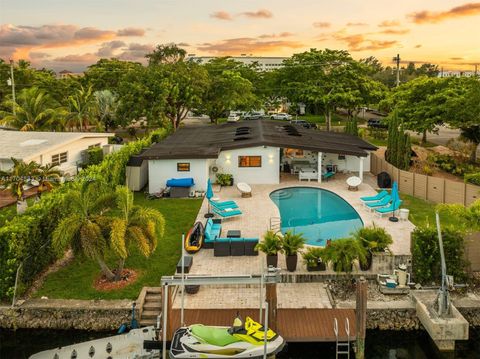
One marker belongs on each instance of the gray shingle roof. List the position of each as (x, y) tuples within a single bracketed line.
[(209, 141)]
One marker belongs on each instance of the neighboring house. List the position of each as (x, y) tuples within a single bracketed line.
[(253, 152), (66, 74), (64, 149), (264, 63)]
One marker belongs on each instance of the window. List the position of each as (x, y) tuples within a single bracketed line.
[(249, 161), (59, 158), (183, 166)]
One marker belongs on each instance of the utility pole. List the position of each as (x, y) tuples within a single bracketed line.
[(12, 82), (397, 60)]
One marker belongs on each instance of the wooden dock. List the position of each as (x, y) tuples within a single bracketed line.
[(295, 325)]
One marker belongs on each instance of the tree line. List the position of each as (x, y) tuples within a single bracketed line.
[(116, 93)]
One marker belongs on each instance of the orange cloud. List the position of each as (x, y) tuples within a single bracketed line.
[(222, 15), (425, 16), (275, 36), (358, 42), (247, 44), (354, 24), (418, 46), (387, 23), (321, 24), (394, 32), (260, 14)]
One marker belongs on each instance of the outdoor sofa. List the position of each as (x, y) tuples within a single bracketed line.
[(213, 228), (225, 247)]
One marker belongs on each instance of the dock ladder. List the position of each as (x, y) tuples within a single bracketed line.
[(342, 347)]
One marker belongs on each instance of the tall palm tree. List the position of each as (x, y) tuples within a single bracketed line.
[(82, 228), (106, 106), (81, 109), (16, 179), (47, 176), (134, 225), (34, 110)]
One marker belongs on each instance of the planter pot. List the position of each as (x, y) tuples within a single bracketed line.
[(231, 182), (292, 262), (320, 267), (272, 260), (368, 263)]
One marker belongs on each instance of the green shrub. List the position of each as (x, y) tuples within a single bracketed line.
[(94, 155), (342, 252), (26, 238), (224, 179), (292, 243), (313, 256), (426, 254), (473, 178), (374, 239), (456, 166), (270, 245)]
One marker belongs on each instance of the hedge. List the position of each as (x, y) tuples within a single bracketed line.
[(426, 254), (26, 238)]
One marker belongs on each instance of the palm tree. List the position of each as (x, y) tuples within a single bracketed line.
[(82, 228), (34, 110), (135, 225), (106, 106), (81, 108), (47, 176), (342, 252), (16, 179)]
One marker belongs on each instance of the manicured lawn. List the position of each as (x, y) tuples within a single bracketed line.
[(75, 280), (423, 212)]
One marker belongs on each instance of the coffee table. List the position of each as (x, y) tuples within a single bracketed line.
[(234, 233)]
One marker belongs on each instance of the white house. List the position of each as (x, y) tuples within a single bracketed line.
[(64, 149), (254, 152)]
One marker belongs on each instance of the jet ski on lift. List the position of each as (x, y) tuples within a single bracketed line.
[(242, 340)]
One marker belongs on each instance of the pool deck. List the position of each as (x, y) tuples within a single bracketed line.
[(258, 209), (255, 220)]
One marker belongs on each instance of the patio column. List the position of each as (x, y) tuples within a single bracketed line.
[(360, 171), (319, 169)]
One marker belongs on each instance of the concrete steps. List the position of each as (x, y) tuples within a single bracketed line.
[(150, 303)]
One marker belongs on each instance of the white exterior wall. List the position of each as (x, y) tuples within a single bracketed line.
[(269, 173), (74, 150), (159, 171)]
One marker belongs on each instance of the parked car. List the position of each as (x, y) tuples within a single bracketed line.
[(376, 123), (302, 123), (281, 116), (252, 116), (233, 117)]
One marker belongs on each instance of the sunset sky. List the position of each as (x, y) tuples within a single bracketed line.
[(65, 34)]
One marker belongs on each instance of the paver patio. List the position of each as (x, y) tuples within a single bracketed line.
[(255, 220)]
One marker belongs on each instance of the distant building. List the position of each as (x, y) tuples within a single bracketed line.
[(456, 74), (65, 74), (64, 149), (265, 63)]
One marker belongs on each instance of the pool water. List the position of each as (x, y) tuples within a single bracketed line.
[(317, 213)]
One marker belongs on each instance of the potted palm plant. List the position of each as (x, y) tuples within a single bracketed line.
[(342, 252), (291, 244), (374, 240), (313, 259), (270, 245)]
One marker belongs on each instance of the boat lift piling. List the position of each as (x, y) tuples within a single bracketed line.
[(361, 314)]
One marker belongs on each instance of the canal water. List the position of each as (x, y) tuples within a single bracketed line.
[(379, 345)]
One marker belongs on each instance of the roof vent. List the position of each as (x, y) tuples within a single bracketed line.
[(241, 138)]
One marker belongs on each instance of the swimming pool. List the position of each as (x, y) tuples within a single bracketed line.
[(317, 213)]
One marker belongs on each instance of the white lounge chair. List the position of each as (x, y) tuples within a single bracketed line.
[(244, 189)]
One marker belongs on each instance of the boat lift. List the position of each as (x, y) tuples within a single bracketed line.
[(272, 276)]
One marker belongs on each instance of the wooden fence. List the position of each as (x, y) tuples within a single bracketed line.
[(438, 190)]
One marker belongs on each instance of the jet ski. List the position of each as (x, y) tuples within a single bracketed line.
[(242, 340), (194, 238)]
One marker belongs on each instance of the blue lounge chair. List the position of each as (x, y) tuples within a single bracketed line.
[(377, 197), (391, 208), (223, 205), (382, 203), (227, 213)]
